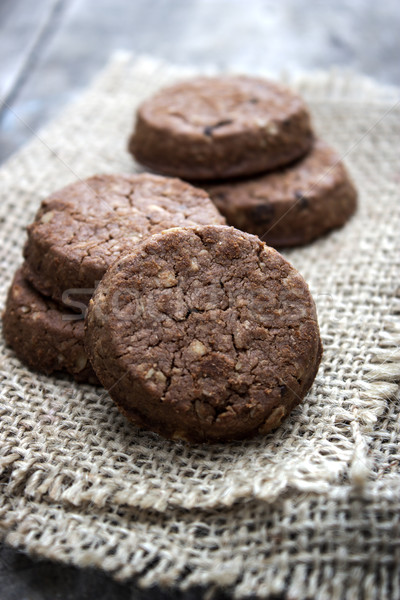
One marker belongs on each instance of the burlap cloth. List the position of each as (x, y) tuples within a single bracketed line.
[(312, 509)]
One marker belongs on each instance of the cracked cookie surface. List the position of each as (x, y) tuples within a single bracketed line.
[(81, 230), (212, 128), (45, 337), (292, 206), (204, 334)]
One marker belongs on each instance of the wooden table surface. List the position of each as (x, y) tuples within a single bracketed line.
[(51, 49)]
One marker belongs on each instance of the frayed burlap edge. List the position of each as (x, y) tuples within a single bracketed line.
[(342, 545)]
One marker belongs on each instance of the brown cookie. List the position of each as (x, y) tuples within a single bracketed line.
[(45, 337), (82, 229), (292, 206), (204, 333), (213, 128)]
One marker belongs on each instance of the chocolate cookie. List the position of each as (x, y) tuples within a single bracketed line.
[(82, 229), (42, 335), (213, 128), (204, 333), (292, 206)]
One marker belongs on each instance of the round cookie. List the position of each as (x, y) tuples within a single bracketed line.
[(204, 334), (82, 229), (42, 335), (292, 206), (213, 128)]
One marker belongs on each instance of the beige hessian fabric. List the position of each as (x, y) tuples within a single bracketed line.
[(312, 508)]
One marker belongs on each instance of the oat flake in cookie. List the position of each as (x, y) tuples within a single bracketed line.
[(292, 206), (204, 334), (212, 128), (45, 337), (81, 230)]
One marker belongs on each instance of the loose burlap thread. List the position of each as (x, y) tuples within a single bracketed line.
[(307, 509)]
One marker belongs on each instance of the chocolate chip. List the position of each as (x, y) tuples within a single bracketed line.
[(283, 389), (210, 128), (253, 100), (219, 196), (302, 200), (263, 212)]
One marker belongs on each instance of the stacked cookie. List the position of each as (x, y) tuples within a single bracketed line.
[(204, 334), (45, 335), (77, 234), (293, 187), (199, 331)]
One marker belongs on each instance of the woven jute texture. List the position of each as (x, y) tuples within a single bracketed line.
[(311, 509)]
